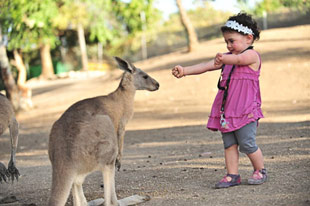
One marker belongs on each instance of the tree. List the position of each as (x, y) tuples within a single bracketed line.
[(192, 40), (135, 18), (113, 23), (28, 25), (75, 15), (24, 90), (7, 77)]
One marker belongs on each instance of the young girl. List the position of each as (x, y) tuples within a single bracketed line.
[(237, 105)]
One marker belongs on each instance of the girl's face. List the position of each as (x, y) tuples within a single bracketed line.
[(236, 42)]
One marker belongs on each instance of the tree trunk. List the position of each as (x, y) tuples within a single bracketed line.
[(192, 40), (82, 43), (19, 64), (7, 77), (26, 92), (46, 62)]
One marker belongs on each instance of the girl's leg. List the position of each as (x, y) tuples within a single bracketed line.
[(247, 140), (232, 159), (260, 174), (232, 177), (231, 153), (257, 159)]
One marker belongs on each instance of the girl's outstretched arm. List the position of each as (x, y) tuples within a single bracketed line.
[(179, 71)]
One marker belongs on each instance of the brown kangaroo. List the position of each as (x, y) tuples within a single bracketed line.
[(89, 137)]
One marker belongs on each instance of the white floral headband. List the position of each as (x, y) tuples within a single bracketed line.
[(238, 27)]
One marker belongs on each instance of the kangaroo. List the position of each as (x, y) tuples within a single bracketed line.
[(8, 120), (89, 137)]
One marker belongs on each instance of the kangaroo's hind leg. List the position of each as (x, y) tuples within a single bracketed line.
[(62, 181), (110, 198), (77, 191), (13, 126)]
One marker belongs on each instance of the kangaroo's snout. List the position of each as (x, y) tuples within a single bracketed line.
[(156, 84), (150, 84)]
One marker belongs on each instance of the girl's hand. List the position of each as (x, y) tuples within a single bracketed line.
[(178, 71), (218, 60)]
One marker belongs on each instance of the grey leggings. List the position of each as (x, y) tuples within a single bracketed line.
[(245, 137)]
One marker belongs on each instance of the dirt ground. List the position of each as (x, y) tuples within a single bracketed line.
[(169, 154)]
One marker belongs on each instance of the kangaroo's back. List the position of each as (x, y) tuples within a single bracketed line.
[(81, 127)]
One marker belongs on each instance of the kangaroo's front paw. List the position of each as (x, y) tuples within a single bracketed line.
[(118, 163), (14, 173), (4, 173)]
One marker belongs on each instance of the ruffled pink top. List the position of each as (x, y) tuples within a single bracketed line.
[(243, 104)]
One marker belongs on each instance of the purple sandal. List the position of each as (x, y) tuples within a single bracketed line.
[(224, 183), (258, 179)]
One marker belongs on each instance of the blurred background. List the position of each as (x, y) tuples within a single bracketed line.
[(54, 53), (50, 39)]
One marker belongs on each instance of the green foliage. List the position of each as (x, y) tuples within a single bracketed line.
[(71, 13), (303, 5), (134, 17), (130, 14), (267, 6), (276, 5), (103, 26), (94, 15), (28, 23), (114, 23)]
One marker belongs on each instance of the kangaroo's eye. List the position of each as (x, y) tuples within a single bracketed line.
[(145, 76)]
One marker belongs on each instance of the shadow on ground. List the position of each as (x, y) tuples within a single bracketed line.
[(179, 165)]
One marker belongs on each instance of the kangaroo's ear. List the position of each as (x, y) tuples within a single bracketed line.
[(124, 65)]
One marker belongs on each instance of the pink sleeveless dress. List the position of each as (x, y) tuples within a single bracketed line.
[(243, 104)]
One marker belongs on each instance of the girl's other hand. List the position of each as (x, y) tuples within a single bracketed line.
[(218, 60), (178, 71)]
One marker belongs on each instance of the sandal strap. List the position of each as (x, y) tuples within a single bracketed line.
[(232, 176), (263, 171)]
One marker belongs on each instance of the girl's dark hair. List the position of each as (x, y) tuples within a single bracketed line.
[(246, 20)]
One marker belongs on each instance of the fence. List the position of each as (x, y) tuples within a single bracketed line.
[(167, 42)]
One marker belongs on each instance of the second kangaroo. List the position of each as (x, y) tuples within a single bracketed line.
[(89, 136)]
